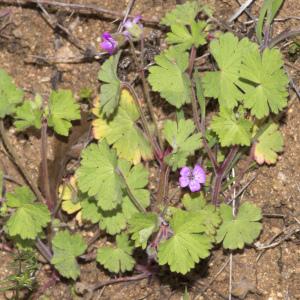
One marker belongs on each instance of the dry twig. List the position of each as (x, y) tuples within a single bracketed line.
[(279, 238), (241, 9), (78, 8)]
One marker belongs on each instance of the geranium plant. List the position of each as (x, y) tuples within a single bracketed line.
[(216, 118)]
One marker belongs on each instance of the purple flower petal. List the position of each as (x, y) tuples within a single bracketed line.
[(185, 171), (199, 174), (137, 19), (184, 181), (108, 44), (106, 36), (194, 186)]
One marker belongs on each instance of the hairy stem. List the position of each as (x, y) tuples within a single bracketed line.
[(44, 250), (133, 199), (192, 61), (23, 171)]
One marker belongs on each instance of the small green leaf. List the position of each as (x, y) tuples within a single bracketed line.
[(10, 95), (183, 39), (111, 86), (117, 259), (97, 175), (230, 130), (206, 213), (228, 52), (241, 230), (29, 114), (29, 218), (187, 245), (141, 226), (168, 77), (62, 110), (66, 248), (122, 131), (90, 210), (183, 14), (264, 82), (21, 195), (183, 140), (193, 202), (269, 143)]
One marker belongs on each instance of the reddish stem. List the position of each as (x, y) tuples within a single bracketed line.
[(44, 158), (221, 172), (200, 125)]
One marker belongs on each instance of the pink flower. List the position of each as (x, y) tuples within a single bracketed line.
[(193, 178), (108, 44)]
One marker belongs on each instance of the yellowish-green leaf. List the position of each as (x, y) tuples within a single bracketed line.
[(269, 143), (68, 194), (123, 132)]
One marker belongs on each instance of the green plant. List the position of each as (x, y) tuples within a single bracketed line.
[(246, 91)]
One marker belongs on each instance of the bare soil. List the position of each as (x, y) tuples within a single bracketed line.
[(276, 189)]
